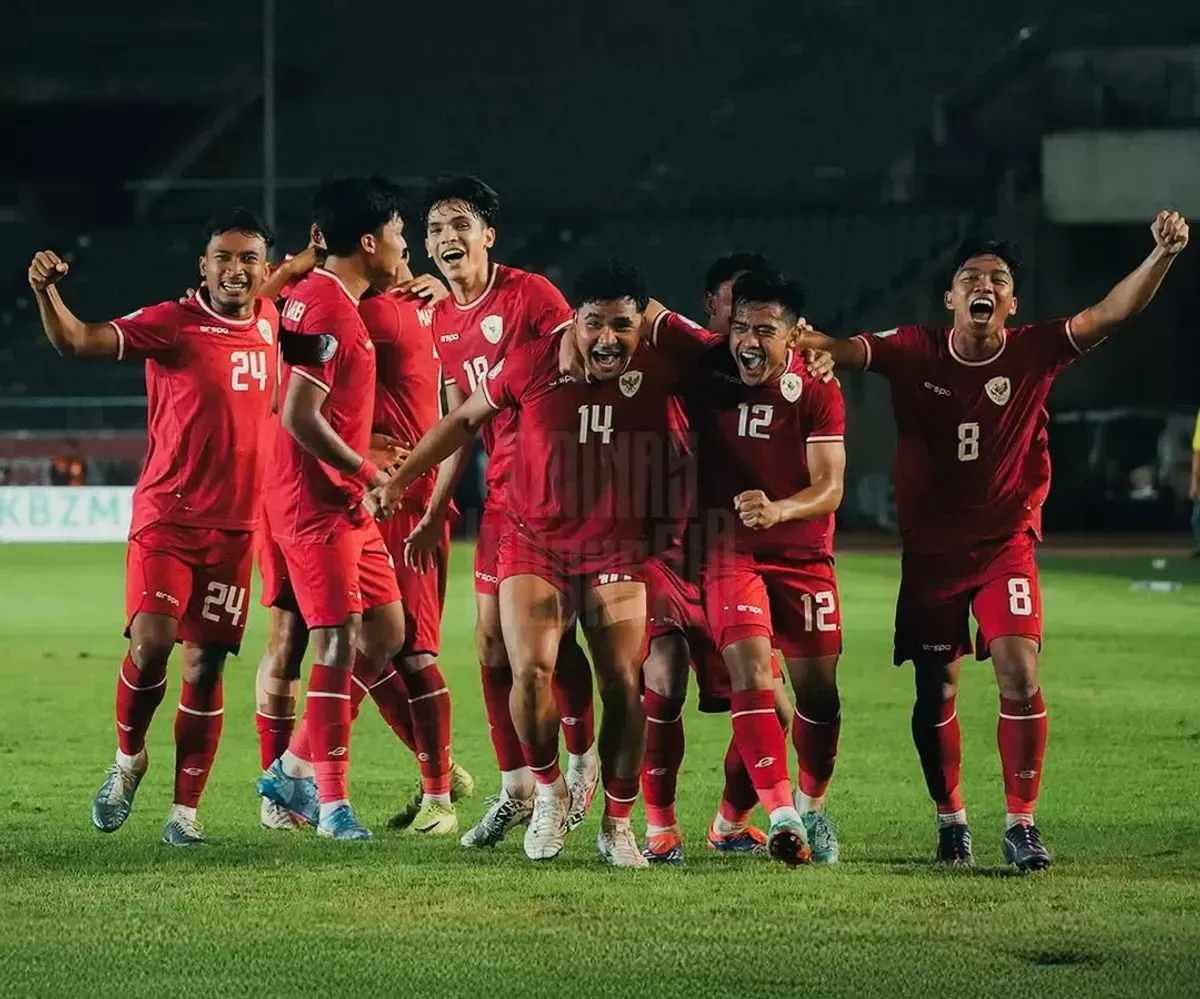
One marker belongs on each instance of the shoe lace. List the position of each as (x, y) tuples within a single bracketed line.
[(188, 826), (545, 816), (123, 783), (624, 842), (822, 834), (1028, 836)]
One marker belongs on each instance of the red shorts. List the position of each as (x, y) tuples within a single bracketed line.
[(520, 555), (345, 573), (423, 593), (675, 606), (272, 568), (793, 603), (493, 525), (200, 577), (998, 583)]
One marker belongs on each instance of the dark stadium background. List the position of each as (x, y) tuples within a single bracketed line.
[(852, 141)]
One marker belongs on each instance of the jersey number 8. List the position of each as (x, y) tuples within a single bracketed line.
[(968, 441)]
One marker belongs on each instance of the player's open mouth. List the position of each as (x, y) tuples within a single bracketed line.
[(452, 255), (981, 308), (752, 361), (607, 357), (235, 287)]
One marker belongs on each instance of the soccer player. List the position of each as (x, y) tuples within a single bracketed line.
[(679, 637), (972, 470), (770, 449), (190, 548), (591, 406), (405, 357), (493, 309), (407, 405), (319, 471)]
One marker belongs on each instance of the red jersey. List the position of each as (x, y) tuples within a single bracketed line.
[(757, 437), (208, 391), (408, 395), (324, 340), (592, 454), (972, 460), (515, 308)]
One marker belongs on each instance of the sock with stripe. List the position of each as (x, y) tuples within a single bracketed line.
[(738, 797), (139, 693), (938, 739), (760, 740), (1021, 734), (327, 712), (663, 758), (429, 705), (497, 688), (274, 734), (542, 762), (198, 723), (620, 795), (815, 730)]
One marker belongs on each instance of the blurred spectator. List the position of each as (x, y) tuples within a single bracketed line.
[(69, 469), (1194, 492)]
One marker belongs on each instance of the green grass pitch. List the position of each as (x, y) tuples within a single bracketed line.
[(261, 914)]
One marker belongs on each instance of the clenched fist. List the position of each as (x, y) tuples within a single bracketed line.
[(1170, 231), (46, 269), (756, 510)]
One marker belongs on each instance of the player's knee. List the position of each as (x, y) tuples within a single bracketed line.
[(489, 646), (151, 641), (285, 647), (936, 683), (666, 666), (749, 664), (203, 665), (533, 668), (335, 646)]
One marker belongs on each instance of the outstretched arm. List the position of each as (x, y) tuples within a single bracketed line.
[(449, 435), (850, 354), (1134, 292), (70, 335), (827, 472)]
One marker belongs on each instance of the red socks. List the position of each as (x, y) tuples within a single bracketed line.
[(620, 794), (738, 797), (1021, 735), (761, 742), (573, 692), (816, 744), (938, 740), (138, 696), (390, 696), (274, 734), (429, 704), (327, 712), (497, 686), (542, 760), (198, 724), (664, 756)]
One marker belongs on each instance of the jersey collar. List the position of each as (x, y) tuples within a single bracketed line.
[(487, 290), (333, 277), (976, 364), (200, 299)]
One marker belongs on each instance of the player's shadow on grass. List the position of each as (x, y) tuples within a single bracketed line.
[(923, 867)]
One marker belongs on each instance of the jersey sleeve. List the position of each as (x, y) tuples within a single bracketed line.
[(382, 319), (1051, 344), (889, 351), (317, 344), (547, 309), (827, 413), (682, 339), (504, 383), (149, 332)]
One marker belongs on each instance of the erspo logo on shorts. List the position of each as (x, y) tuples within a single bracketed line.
[(159, 595), (486, 578), (937, 648), (749, 608)]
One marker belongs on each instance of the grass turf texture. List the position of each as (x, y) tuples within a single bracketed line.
[(258, 913)]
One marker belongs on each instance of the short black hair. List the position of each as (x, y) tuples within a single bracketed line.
[(348, 208), (609, 282), (238, 219), (770, 288), (986, 246), (467, 188), (729, 266)]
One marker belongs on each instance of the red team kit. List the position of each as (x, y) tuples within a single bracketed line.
[(661, 473)]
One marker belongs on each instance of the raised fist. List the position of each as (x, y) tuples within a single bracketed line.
[(1170, 231), (46, 269)]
